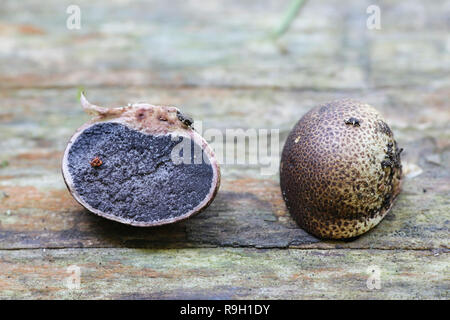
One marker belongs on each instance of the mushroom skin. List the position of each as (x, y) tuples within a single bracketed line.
[(340, 170), (141, 121)]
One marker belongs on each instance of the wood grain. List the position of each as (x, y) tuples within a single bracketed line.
[(221, 273), (248, 210), (223, 44), (214, 60)]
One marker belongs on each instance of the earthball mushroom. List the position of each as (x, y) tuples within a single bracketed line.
[(140, 164), (340, 170)]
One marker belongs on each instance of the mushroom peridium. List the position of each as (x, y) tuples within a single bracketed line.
[(340, 169)]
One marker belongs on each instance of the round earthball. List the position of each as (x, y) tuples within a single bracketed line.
[(340, 170), (142, 165)]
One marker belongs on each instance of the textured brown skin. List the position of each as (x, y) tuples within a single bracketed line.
[(340, 178)]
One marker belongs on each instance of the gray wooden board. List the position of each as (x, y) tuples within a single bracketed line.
[(215, 60)]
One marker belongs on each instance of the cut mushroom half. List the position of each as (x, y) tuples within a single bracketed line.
[(141, 165)]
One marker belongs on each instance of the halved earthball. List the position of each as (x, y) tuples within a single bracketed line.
[(141, 164), (340, 170)]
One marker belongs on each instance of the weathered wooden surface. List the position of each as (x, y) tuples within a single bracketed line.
[(228, 273), (212, 59)]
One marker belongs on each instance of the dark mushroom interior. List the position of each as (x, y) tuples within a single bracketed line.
[(137, 179)]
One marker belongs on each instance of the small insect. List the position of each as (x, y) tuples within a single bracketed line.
[(353, 121), (386, 163), (96, 162), (185, 119), (140, 115), (387, 201)]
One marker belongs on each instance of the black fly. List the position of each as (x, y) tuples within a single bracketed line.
[(188, 121), (386, 163), (353, 121)]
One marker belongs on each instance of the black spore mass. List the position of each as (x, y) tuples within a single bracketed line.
[(137, 179)]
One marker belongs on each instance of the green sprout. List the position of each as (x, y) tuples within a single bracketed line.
[(291, 13), (80, 90)]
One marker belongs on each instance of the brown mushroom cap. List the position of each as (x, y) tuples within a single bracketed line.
[(340, 170), (120, 165)]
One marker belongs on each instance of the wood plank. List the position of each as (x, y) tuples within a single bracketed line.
[(220, 273), (221, 44), (408, 50), (38, 212), (214, 60)]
